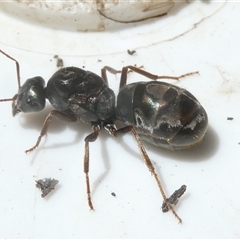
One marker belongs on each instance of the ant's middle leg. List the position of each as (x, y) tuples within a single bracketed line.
[(90, 138), (55, 113)]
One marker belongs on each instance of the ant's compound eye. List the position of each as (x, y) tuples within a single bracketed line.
[(33, 103)]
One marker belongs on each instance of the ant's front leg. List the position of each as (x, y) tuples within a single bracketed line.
[(55, 113)]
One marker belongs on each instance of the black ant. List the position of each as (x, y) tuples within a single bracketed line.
[(157, 112)]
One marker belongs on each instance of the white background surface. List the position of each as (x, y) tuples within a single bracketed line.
[(209, 209)]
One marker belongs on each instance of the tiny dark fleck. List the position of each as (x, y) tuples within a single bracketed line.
[(46, 185), (230, 118), (113, 194), (99, 60), (131, 52), (59, 61), (83, 66)]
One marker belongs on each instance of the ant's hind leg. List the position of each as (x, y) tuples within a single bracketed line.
[(119, 132), (149, 75), (153, 171), (127, 69)]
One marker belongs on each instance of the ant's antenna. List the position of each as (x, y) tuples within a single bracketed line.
[(17, 67)]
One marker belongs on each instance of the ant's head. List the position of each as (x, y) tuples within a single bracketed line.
[(30, 96)]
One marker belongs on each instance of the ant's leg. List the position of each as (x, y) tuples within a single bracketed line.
[(123, 80), (90, 138), (17, 67), (112, 71), (111, 129), (55, 113), (152, 170), (104, 74), (125, 71)]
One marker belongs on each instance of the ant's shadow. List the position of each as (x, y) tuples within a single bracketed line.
[(81, 130), (202, 152)]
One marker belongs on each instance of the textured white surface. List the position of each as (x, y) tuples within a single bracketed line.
[(82, 15), (210, 207), (37, 38)]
